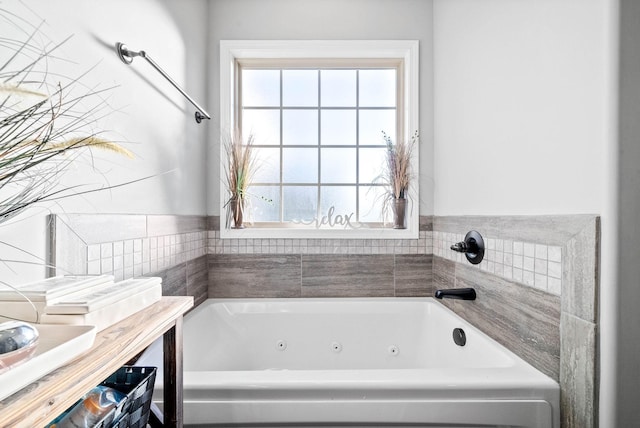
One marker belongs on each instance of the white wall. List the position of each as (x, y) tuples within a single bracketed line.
[(520, 106), (148, 115), (326, 19), (525, 97)]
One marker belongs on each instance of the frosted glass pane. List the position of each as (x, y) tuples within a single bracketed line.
[(338, 88), (372, 163), (377, 88), (372, 199), (300, 165), (264, 203), (300, 127), (373, 122), (338, 127), (342, 199), (338, 166), (263, 124), (260, 88), (267, 165), (300, 203), (300, 88)]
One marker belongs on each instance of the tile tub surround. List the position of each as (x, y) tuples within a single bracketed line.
[(554, 329), (520, 318), (168, 246), (190, 278), (532, 320), (126, 245), (535, 265), (320, 267)]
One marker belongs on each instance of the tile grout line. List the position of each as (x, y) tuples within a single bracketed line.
[(393, 273)]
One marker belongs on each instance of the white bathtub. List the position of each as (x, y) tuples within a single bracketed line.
[(355, 362)]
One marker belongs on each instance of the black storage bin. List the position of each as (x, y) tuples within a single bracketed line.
[(133, 411), (137, 383)]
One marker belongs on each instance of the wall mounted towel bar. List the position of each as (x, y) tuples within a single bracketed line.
[(127, 56)]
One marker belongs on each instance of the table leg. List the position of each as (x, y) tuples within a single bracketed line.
[(173, 403)]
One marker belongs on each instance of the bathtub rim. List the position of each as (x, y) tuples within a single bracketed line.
[(437, 304), (547, 390)]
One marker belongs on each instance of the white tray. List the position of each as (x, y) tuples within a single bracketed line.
[(58, 344)]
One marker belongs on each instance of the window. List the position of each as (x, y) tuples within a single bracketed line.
[(317, 111)]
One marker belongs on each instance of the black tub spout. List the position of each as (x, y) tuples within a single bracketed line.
[(456, 293)]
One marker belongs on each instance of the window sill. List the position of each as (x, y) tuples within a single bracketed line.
[(411, 232)]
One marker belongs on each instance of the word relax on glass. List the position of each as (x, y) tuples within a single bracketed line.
[(330, 220)]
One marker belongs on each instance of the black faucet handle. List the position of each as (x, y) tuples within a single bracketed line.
[(472, 247), (460, 247)]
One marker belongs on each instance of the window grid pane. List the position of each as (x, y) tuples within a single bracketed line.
[(295, 129)]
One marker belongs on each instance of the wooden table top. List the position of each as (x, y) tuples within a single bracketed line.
[(40, 402)]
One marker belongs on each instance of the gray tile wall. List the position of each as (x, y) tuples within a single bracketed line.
[(253, 275), (190, 278), (555, 333), (319, 275), (523, 319)]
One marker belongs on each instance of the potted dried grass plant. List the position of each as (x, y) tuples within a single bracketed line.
[(397, 176), (239, 170)]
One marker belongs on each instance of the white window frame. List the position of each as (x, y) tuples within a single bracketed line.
[(407, 50)]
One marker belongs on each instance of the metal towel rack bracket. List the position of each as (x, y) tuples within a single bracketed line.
[(127, 56)]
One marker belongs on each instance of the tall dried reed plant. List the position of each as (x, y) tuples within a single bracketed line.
[(44, 125), (240, 168), (397, 174)]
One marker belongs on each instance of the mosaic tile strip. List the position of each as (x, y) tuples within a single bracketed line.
[(136, 257), (535, 265), (422, 245)]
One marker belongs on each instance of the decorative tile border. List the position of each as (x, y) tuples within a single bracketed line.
[(422, 245), (126, 245), (143, 244), (137, 257), (535, 265)]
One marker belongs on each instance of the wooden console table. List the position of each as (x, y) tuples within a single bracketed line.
[(40, 402)]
